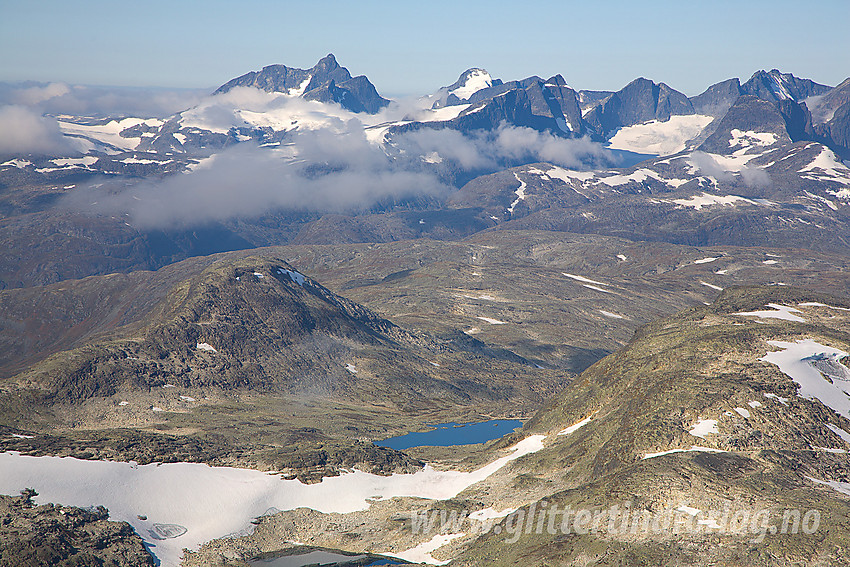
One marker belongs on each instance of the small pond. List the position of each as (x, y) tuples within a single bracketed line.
[(449, 434)]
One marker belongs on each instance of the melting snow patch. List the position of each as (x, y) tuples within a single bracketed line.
[(748, 139), (779, 312), (187, 398), (697, 202), (294, 276), (706, 260), (770, 262), (840, 432), (742, 412), (754, 404), (593, 287), (688, 510), (780, 399), (622, 257), (351, 368), (422, 552), (211, 502), (491, 321), (259, 275), (566, 175), (578, 425), (712, 286), (704, 427), (816, 368), (156, 409), (583, 279), (694, 448), (19, 163), (611, 315), (21, 436), (520, 194), (660, 138), (816, 304), (826, 167), (842, 487), (206, 346), (490, 514), (123, 403)]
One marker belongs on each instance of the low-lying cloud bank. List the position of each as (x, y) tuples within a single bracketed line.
[(23, 131), (97, 101), (331, 170)]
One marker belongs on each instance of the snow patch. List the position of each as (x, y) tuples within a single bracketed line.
[(840, 432), (743, 412), (294, 276), (816, 368), (491, 321), (212, 502), (779, 312), (816, 304), (706, 199), (704, 427), (476, 80), (578, 425), (706, 260), (842, 487), (780, 399), (520, 194), (749, 139), (611, 315), (205, 346), (19, 163), (422, 552), (694, 448), (660, 138), (583, 279)]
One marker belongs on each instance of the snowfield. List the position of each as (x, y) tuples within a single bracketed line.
[(782, 312), (660, 138), (478, 79), (817, 369), (213, 502)]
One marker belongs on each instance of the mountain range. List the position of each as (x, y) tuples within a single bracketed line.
[(295, 269)]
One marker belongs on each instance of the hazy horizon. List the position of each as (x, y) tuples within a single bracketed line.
[(409, 50)]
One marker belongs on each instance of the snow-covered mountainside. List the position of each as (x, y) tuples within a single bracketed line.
[(750, 150), (265, 106)]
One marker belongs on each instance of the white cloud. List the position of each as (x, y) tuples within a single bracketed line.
[(23, 131)]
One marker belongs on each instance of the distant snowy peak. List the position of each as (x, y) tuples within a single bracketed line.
[(470, 82), (327, 81)]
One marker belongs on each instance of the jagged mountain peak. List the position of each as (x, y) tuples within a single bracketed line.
[(326, 81), (775, 86)]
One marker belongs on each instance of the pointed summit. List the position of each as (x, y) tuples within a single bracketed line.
[(327, 81), (774, 86), (328, 63)]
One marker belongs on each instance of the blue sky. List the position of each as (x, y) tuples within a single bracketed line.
[(413, 48)]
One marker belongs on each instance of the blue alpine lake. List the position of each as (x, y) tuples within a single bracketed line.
[(449, 434), (324, 558)]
